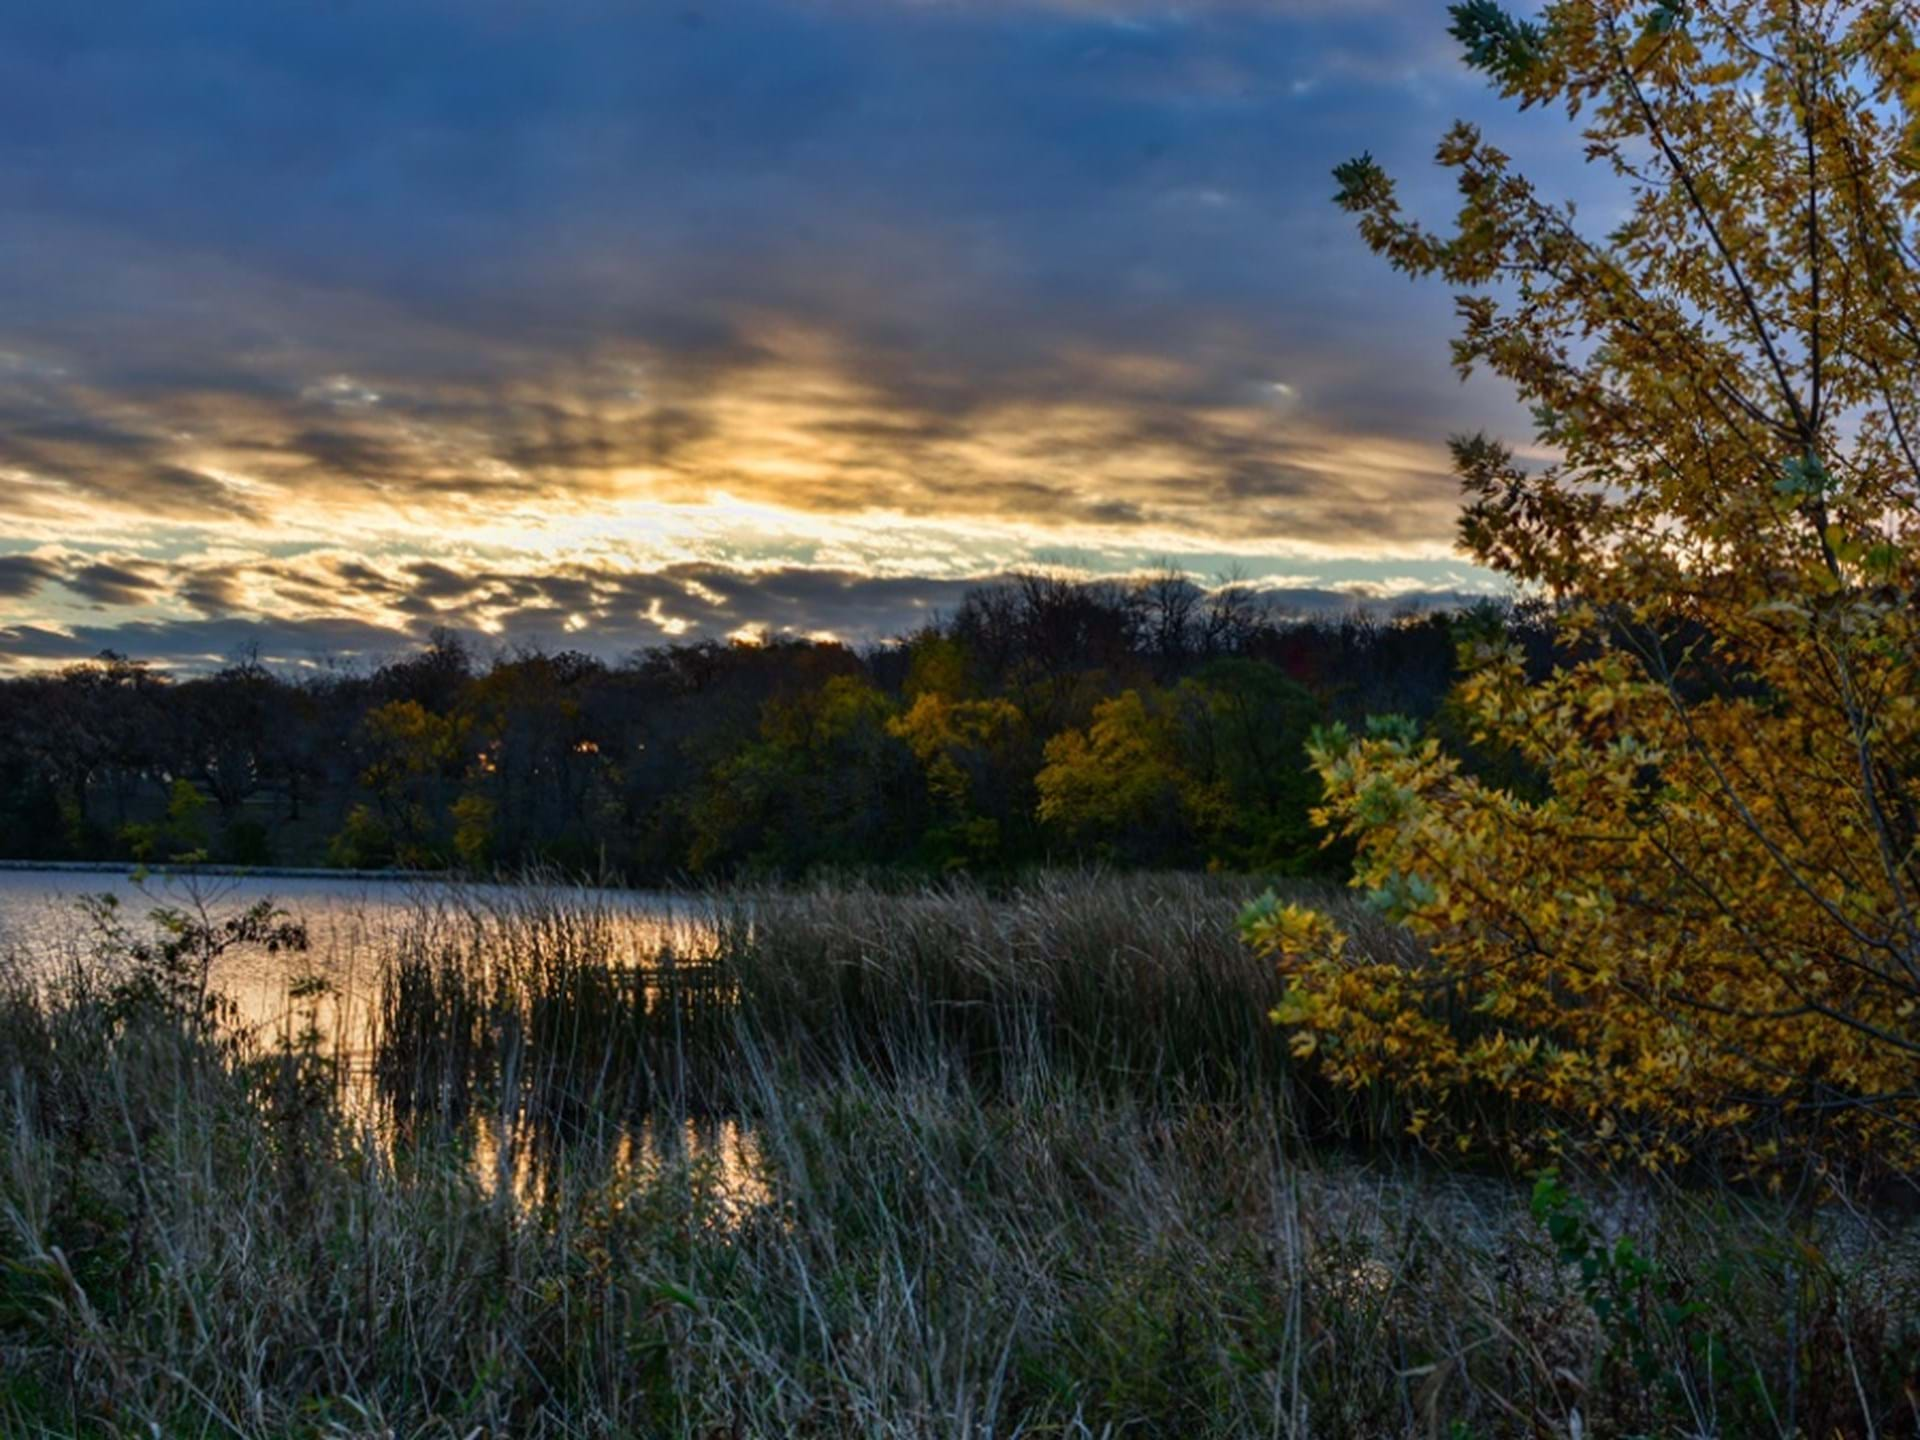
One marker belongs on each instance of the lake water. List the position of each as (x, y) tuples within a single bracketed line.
[(353, 926)]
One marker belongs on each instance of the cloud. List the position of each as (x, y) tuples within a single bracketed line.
[(22, 575), (321, 610), (200, 644), (418, 306), (110, 584), (212, 594), (796, 419)]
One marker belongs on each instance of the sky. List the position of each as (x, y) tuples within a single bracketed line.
[(608, 325)]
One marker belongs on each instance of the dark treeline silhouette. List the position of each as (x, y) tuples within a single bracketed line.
[(1142, 722)]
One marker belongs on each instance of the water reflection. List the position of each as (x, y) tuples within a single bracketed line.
[(541, 1028), (720, 1158), (355, 929)]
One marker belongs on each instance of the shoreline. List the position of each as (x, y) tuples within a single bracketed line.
[(260, 872)]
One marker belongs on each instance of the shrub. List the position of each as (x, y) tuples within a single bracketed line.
[(1704, 926)]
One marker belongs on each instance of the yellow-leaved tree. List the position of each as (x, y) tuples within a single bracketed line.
[(1699, 919)]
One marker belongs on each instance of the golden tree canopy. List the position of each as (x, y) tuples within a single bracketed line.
[(1701, 917)]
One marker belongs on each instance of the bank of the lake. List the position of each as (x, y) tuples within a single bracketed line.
[(246, 872)]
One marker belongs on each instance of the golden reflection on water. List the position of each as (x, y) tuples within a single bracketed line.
[(355, 928), (326, 998), (720, 1157)]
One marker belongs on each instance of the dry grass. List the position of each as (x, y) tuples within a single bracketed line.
[(1020, 1166), (1136, 986)]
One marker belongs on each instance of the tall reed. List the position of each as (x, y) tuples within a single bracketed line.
[(1137, 988)]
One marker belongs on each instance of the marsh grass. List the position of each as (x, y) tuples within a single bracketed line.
[(939, 1164), (1137, 987)]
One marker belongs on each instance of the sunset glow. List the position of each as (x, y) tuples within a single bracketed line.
[(608, 327)]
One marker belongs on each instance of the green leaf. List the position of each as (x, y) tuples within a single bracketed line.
[(1667, 16), (1362, 183), (1801, 477), (1493, 41)]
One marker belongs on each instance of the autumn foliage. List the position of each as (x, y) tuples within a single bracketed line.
[(1693, 920)]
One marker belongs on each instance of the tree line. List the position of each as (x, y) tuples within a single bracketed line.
[(1135, 722)]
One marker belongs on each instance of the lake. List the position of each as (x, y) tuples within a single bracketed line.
[(353, 926)]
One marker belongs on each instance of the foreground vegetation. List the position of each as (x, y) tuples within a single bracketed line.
[(933, 1164)]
